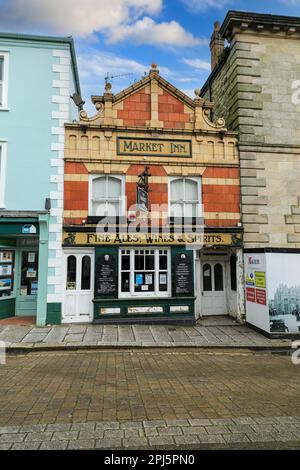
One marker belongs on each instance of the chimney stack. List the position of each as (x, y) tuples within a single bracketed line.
[(217, 45)]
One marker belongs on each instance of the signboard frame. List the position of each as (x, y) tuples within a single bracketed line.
[(158, 141)]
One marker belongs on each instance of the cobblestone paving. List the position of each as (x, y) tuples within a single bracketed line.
[(119, 399), (208, 333)]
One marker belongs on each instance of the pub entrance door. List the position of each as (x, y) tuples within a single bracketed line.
[(213, 288), (78, 286)]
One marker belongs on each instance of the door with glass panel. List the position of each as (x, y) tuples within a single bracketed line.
[(213, 288), (79, 287), (26, 301)]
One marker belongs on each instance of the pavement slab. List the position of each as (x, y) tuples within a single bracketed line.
[(203, 335)]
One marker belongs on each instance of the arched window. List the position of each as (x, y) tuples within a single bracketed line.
[(71, 273), (219, 282), (207, 278), (86, 273), (106, 197), (185, 197)]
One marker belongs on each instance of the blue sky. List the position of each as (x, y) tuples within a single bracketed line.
[(125, 36)]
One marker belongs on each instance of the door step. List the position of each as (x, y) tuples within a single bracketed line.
[(133, 320)]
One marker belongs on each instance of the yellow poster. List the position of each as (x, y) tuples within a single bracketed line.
[(260, 279)]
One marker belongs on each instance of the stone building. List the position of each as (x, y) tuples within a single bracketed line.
[(255, 86), (252, 85), (147, 159)]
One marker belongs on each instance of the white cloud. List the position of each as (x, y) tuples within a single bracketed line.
[(198, 64), (195, 6), (94, 66), (116, 19), (147, 31), (78, 17)]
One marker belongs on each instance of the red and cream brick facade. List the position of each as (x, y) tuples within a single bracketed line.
[(153, 110)]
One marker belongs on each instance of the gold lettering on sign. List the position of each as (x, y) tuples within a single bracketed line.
[(83, 239), (154, 147)]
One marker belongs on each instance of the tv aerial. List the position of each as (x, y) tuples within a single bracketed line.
[(109, 77)]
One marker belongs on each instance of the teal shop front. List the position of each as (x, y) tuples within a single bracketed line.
[(129, 284), (23, 267)]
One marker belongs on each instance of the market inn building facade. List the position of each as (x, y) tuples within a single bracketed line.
[(148, 158)]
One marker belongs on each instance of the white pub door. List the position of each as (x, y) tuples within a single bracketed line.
[(213, 288), (79, 287)]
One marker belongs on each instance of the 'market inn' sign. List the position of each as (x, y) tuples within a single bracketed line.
[(154, 147)]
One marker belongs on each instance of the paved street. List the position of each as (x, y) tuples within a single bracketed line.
[(149, 399), (213, 332)]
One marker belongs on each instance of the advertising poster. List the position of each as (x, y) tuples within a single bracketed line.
[(283, 278), (257, 311), (5, 284), (6, 270), (139, 279)]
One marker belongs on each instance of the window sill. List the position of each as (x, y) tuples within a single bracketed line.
[(11, 297)]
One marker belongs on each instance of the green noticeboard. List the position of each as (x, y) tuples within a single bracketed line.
[(106, 273), (182, 273)]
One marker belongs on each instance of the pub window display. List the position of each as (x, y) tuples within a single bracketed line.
[(144, 272)]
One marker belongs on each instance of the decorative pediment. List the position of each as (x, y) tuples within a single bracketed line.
[(153, 103)]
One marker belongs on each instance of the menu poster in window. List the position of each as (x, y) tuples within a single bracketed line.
[(183, 275), (31, 257), (31, 273), (106, 276), (148, 279)]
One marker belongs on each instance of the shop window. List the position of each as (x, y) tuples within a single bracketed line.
[(71, 273), (6, 273), (106, 196), (2, 173), (4, 57), (185, 197), (219, 281), (86, 273), (29, 273), (144, 272), (207, 278), (233, 274)]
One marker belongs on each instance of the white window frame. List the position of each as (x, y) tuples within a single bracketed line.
[(123, 198), (3, 157), (197, 180), (156, 294), (5, 55)]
